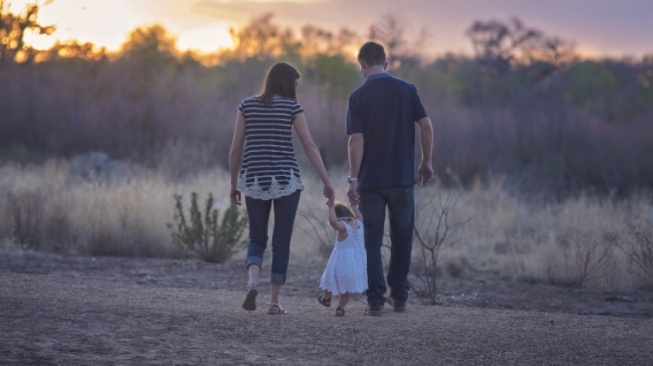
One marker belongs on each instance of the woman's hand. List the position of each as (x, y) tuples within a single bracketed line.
[(329, 193), (235, 196)]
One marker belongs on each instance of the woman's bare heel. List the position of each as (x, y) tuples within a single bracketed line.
[(250, 299), (276, 309)]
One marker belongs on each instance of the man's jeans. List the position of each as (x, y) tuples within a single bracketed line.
[(285, 210), (400, 202)]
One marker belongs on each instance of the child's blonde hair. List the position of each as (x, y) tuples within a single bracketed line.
[(342, 211)]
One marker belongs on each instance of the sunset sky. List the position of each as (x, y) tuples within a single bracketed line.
[(598, 27)]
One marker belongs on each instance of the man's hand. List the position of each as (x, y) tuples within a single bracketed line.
[(352, 193), (425, 173)]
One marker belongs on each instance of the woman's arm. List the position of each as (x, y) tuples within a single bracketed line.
[(313, 154), (235, 154), (355, 148)]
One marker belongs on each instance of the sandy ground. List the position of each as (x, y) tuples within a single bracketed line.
[(57, 310)]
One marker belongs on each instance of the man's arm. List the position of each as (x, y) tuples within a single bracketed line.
[(426, 138), (355, 149)]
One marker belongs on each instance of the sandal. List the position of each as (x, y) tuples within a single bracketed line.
[(276, 309), (340, 311), (326, 301), (250, 299)]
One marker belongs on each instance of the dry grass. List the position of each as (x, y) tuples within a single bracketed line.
[(124, 212)]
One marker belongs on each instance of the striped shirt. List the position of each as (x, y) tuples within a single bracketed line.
[(269, 168)]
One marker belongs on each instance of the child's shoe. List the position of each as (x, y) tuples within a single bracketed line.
[(326, 301)]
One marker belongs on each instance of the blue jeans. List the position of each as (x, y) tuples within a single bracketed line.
[(258, 211), (400, 202)]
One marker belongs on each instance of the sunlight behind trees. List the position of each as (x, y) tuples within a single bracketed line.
[(525, 106), (13, 27)]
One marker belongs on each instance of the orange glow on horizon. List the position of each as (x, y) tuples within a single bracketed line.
[(108, 24), (203, 25)]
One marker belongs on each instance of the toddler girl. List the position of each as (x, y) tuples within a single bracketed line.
[(346, 270)]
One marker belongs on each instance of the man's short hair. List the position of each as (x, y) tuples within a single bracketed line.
[(372, 54)]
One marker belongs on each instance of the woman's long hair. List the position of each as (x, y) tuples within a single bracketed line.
[(281, 80)]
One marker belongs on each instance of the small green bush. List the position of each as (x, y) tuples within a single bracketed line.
[(202, 234), (26, 213)]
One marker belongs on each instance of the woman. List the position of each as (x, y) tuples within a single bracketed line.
[(269, 176)]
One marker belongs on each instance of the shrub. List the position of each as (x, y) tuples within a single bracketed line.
[(434, 230), (202, 234), (590, 257), (640, 249), (25, 211), (318, 230)]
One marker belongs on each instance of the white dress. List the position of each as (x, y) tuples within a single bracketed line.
[(346, 270)]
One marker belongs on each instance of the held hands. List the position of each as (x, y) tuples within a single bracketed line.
[(331, 203), (329, 193)]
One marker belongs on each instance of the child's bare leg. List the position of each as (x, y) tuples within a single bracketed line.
[(327, 294), (343, 300)]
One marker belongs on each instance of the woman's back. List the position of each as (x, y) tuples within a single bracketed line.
[(269, 168)]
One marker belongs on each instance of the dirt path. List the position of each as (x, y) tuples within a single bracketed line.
[(80, 311)]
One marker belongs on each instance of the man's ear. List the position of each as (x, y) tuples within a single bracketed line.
[(385, 66)]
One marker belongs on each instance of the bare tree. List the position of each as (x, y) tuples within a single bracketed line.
[(499, 46), (434, 231), (264, 39), (640, 249), (590, 257), (391, 31)]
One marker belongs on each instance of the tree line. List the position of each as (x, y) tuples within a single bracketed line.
[(524, 106)]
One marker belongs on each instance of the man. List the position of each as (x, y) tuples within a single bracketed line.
[(381, 118)]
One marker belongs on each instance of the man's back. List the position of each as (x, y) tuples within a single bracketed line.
[(384, 109)]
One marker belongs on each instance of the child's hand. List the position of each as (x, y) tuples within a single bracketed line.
[(357, 212)]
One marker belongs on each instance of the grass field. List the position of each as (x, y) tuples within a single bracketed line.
[(109, 208)]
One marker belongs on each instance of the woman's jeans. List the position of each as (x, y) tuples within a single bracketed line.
[(285, 210), (400, 202)]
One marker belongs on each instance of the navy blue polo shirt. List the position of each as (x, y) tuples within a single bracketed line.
[(385, 109)]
